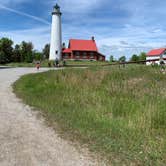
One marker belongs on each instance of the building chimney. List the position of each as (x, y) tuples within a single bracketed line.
[(63, 46), (93, 38)]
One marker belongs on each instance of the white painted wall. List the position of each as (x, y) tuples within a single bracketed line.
[(56, 37), (151, 58), (156, 57)]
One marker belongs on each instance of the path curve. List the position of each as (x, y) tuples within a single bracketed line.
[(25, 140)]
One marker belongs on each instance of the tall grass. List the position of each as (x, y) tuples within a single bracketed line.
[(120, 113)]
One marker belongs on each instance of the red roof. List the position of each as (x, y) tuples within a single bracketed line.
[(67, 50), (82, 45), (156, 52)]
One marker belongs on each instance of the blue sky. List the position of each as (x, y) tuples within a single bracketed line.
[(120, 27)]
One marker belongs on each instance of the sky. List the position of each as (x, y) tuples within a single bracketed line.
[(120, 28)]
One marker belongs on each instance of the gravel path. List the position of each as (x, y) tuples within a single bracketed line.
[(25, 140)]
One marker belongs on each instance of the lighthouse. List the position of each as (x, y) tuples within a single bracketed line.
[(56, 35)]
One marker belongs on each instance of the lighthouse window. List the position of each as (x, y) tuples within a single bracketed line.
[(56, 52)]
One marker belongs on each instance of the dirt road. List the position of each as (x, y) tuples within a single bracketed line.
[(25, 140)]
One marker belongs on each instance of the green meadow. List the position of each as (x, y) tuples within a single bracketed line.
[(120, 113)]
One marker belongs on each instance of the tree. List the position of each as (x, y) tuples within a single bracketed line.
[(134, 58), (26, 52), (16, 54), (111, 58), (122, 59), (142, 56), (46, 51), (6, 50), (2, 58), (38, 56)]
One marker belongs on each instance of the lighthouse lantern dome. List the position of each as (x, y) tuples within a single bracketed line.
[(56, 10)]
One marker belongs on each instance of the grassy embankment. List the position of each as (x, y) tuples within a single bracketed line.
[(120, 113)]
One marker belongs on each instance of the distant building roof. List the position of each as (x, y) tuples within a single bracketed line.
[(82, 45), (156, 52)]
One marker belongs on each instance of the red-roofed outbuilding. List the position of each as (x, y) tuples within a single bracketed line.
[(156, 56), (156, 52), (82, 50)]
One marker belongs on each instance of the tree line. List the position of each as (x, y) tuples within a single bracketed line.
[(134, 58), (23, 52)]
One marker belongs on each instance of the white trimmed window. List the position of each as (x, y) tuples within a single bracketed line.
[(66, 55), (84, 55), (77, 54), (91, 55)]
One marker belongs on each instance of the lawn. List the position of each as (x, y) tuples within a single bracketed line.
[(25, 64), (69, 63), (118, 113)]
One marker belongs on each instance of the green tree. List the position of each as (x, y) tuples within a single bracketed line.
[(122, 59), (16, 54), (6, 50), (134, 58), (142, 56), (38, 56), (111, 58), (2, 58), (26, 52), (46, 51)]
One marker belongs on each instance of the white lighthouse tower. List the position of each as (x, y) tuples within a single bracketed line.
[(56, 35)]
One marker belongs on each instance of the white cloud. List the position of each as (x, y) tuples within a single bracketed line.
[(131, 40), (133, 37), (122, 41), (38, 36), (116, 45), (78, 5)]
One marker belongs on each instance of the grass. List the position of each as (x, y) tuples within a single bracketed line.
[(71, 62), (119, 113), (25, 64), (45, 63), (22, 64)]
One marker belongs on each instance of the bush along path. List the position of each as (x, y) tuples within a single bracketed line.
[(24, 137)]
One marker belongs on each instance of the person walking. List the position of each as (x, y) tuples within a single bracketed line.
[(56, 62), (38, 65), (64, 63)]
